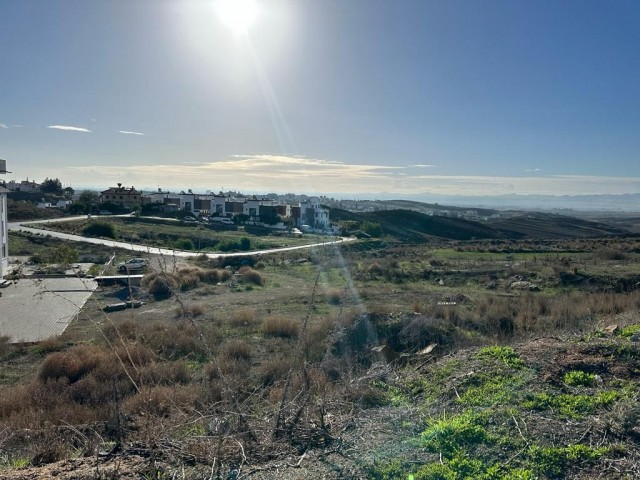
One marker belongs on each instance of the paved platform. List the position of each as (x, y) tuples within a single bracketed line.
[(32, 310)]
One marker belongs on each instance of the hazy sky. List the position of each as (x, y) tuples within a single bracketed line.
[(349, 97)]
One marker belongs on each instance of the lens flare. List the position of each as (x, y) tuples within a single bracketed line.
[(238, 15)]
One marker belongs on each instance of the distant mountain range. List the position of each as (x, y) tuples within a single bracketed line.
[(628, 202)]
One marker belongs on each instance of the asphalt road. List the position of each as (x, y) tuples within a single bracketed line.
[(19, 227)]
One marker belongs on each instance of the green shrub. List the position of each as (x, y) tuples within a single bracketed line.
[(183, 244), (99, 229)]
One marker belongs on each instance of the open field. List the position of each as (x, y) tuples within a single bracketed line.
[(184, 235), (455, 359)]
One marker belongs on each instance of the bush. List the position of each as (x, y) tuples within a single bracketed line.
[(99, 229), (184, 244)]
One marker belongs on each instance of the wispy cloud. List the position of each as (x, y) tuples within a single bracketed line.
[(422, 165), (281, 173), (126, 132), (69, 128), (3, 125), (531, 170)]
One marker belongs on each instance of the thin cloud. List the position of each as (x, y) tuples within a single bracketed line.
[(530, 170), (286, 173), (126, 132), (3, 125), (70, 128), (422, 165)]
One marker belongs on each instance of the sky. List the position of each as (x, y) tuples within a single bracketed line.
[(353, 98)]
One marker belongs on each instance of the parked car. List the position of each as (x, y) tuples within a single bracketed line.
[(189, 218), (222, 220), (133, 264)]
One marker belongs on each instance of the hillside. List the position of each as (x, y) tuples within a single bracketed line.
[(547, 225), (413, 226), (409, 225), (548, 408)]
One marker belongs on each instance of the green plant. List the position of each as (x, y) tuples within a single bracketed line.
[(506, 355), (99, 229), (578, 378), (630, 330), (554, 461), (571, 406), (449, 434)]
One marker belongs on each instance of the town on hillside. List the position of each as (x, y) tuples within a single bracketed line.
[(307, 214)]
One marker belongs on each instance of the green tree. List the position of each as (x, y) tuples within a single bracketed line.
[(52, 186)]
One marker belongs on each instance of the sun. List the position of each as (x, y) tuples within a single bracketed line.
[(238, 15)]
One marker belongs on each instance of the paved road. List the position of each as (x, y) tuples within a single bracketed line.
[(19, 227)]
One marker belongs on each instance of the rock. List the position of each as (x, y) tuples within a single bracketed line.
[(611, 329)]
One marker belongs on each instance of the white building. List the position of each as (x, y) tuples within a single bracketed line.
[(4, 233)]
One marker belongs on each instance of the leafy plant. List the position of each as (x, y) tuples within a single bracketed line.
[(506, 355), (578, 378)]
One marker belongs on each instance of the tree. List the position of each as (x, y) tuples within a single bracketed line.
[(68, 192), (52, 186), (89, 197)]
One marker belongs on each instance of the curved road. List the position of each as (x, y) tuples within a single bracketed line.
[(19, 227)]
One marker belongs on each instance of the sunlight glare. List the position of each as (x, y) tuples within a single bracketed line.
[(238, 15)]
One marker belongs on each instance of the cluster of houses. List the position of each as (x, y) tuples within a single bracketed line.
[(308, 214)]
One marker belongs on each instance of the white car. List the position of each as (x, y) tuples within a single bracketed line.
[(132, 264)]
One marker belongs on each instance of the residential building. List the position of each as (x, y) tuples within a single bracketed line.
[(311, 213), (23, 186), (123, 196), (4, 233)]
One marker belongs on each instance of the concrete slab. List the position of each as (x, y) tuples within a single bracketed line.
[(32, 310)]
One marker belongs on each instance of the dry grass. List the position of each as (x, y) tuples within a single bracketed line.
[(334, 296), (237, 350), (251, 276), (282, 327), (242, 317), (190, 311)]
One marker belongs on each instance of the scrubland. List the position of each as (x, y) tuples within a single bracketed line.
[(452, 360)]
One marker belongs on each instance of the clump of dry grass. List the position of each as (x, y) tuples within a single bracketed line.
[(282, 327), (242, 317), (273, 370), (161, 284), (334, 296), (251, 276), (175, 340), (161, 401), (73, 364), (237, 350), (190, 311)]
